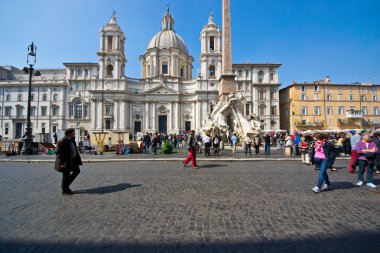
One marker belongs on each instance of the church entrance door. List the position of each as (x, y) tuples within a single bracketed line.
[(163, 123)]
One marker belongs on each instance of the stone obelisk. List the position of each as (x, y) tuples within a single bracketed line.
[(227, 79)]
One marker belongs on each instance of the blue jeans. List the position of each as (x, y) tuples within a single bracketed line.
[(362, 165), (323, 177), (267, 149), (154, 150)]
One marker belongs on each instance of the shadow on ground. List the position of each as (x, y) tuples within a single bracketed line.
[(107, 189), (356, 242)]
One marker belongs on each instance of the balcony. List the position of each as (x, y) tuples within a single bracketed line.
[(309, 124), (349, 122), (354, 114)]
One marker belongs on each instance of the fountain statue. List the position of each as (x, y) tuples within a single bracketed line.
[(228, 117)]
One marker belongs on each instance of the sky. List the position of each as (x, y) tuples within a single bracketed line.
[(310, 38)]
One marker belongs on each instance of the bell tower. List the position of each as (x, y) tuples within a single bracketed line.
[(111, 53), (211, 53)]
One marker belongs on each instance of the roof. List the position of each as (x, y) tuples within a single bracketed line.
[(256, 65), (166, 39)]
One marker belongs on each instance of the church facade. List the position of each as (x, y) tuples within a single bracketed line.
[(98, 97)]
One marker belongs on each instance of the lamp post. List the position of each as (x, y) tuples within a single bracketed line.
[(31, 61)]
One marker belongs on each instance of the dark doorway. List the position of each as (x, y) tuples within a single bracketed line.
[(137, 126), (162, 123), (18, 130), (187, 126)]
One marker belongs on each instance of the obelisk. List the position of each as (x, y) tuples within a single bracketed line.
[(227, 79)]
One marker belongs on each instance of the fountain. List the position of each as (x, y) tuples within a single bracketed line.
[(227, 117)]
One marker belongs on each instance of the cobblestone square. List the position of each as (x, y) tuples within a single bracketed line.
[(161, 207)]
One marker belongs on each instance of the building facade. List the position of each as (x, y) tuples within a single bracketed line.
[(98, 97), (323, 105)]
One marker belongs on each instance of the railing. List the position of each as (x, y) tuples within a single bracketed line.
[(309, 124), (354, 114)]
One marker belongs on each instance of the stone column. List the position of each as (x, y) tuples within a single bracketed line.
[(154, 124), (93, 114), (146, 116), (176, 116), (123, 115), (130, 115), (193, 115), (99, 117), (199, 115)]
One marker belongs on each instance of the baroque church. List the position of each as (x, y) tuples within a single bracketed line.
[(98, 97)]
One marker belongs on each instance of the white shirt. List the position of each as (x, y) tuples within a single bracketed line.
[(206, 139)]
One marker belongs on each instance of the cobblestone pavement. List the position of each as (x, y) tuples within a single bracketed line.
[(162, 207)]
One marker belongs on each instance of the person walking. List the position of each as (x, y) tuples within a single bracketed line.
[(191, 144), (319, 156), (233, 143), (376, 139), (367, 155), (67, 160), (207, 144), (257, 144), (267, 140), (355, 138), (296, 140), (248, 145), (55, 136), (147, 141), (155, 141), (347, 144), (304, 148)]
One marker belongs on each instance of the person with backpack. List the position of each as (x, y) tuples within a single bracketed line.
[(216, 144), (191, 144), (367, 155), (248, 145), (320, 156), (257, 144)]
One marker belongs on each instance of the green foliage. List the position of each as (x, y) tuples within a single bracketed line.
[(167, 148)]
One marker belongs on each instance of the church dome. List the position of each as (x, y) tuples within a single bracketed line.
[(167, 39)]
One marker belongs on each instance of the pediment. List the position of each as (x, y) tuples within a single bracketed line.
[(162, 89)]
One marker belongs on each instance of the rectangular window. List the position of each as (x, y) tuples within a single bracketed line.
[(108, 109), (33, 111), (328, 88), (303, 88), (165, 68), (340, 97), (71, 110), (6, 126), (350, 89), (79, 85), (247, 73), (329, 110), (303, 97), (54, 111), (262, 110), (19, 111), (43, 126), (273, 110), (374, 98), (339, 88), (376, 111), (317, 110), (341, 110), (182, 72), (364, 110), (363, 98), (316, 88), (247, 109), (373, 89), (7, 111), (316, 96), (328, 97), (304, 110), (351, 98), (212, 43), (271, 77), (85, 111), (43, 111)]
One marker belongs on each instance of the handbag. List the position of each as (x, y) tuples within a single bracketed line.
[(370, 156)]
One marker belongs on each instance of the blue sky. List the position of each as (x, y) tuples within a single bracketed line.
[(312, 39)]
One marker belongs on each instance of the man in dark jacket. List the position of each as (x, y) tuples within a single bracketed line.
[(67, 160), (376, 139)]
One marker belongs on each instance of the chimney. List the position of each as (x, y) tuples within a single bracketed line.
[(327, 79)]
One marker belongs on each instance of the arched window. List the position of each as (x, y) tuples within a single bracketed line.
[(109, 70), (260, 76), (211, 71), (262, 95), (54, 111)]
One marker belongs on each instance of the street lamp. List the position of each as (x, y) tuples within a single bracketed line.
[(31, 61)]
